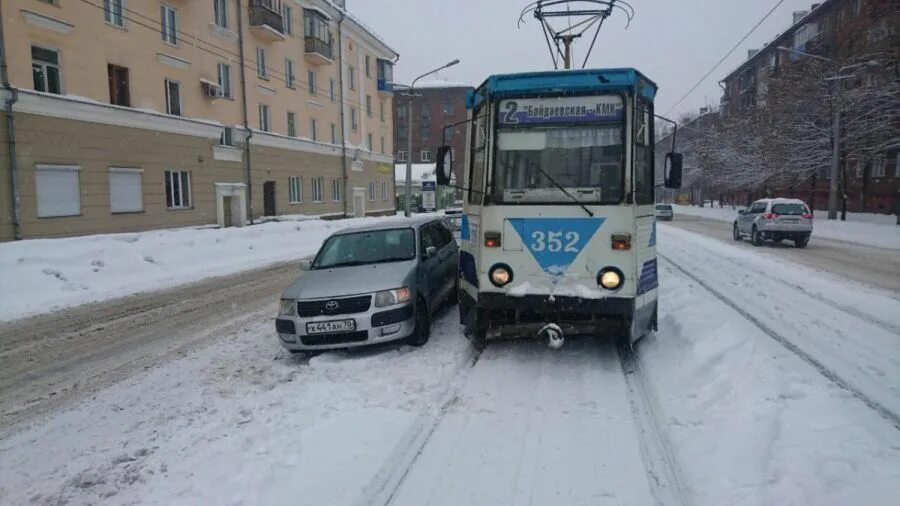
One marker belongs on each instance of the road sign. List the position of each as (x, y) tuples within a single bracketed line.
[(428, 189)]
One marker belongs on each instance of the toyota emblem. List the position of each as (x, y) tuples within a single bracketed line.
[(332, 305)]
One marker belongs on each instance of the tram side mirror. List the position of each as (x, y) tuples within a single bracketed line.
[(444, 165), (673, 170)]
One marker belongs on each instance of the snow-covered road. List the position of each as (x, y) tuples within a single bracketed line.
[(717, 410)]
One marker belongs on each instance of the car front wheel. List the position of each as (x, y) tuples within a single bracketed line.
[(422, 331), (736, 235)]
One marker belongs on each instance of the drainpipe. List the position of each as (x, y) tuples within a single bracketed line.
[(247, 165), (341, 107), (11, 138)]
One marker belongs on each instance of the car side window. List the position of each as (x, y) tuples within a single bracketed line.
[(426, 239), (444, 235)]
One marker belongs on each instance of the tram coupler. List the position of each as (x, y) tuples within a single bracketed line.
[(553, 336)]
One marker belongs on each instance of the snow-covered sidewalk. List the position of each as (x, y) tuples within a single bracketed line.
[(41, 275), (879, 230)]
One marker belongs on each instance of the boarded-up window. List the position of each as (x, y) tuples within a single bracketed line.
[(126, 193), (58, 190)]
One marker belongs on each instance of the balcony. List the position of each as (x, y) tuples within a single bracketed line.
[(266, 21), (385, 86), (385, 77), (317, 51)]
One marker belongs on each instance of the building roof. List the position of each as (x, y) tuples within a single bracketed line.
[(437, 83), (776, 40)]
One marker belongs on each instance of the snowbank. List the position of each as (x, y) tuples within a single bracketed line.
[(878, 230), (45, 274)]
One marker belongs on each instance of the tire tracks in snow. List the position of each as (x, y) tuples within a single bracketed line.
[(384, 486), (823, 369), (663, 472)]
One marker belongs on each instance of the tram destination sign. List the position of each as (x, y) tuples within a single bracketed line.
[(530, 111)]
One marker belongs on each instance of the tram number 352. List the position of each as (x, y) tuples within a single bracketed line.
[(553, 241)]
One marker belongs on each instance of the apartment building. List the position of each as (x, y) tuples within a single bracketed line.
[(438, 116), (858, 41), (128, 115)]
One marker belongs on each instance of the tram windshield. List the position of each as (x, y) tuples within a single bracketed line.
[(575, 142)]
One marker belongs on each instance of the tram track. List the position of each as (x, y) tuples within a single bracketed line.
[(821, 367)]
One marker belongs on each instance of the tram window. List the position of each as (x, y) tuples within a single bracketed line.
[(643, 156), (479, 145)]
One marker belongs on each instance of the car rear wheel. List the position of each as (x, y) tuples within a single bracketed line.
[(801, 241), (756, 237), (736, 235), (423, 326)]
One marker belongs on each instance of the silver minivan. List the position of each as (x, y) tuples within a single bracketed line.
[(371, 284), (775, 219)]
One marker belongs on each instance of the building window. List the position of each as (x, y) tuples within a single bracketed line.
[(261, 62), (220, 13), (384, 191), (369, 142), (227, 137), (295, 190), (173, 98), (353, 119), (311, 78), (352, 73), (381, 110), (371, 191), (878, 167), (368, 72), (292, 124), (426, 132), (45, 70), (318, 188), (126, 194), (335, 190), (369, 105), (425, 155), (264, 124), (58, 190), (402, 132), (112, 12), (287, 20), (224, 78), (382, 144), (331, 89), (118, 85), (401, 156), (333, 133), (448, 107), (313, 129), (288, 73), (424, 111), (401, 111), (178, 189), (169, 24)]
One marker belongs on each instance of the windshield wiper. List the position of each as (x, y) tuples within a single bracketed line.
[(343, 264), (565, 191)]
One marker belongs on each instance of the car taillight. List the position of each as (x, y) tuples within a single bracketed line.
[(770, 216), (808, 216)]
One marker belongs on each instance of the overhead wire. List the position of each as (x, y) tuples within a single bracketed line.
[(732, 50)]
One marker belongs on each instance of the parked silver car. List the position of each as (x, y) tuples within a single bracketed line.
[(371, 284), (664, 212), (775, 219)]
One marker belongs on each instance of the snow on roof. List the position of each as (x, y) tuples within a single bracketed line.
[(420, 172), (437, 83)]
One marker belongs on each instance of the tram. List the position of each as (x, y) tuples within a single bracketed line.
[(558, 235)]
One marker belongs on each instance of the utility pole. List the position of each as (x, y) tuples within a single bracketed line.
[(835, 162)]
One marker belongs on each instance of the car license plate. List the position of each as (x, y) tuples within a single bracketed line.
[(789, 220), (331, 327)]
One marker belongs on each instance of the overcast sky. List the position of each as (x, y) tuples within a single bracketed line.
[(674, 42)]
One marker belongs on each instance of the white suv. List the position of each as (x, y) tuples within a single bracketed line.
[(775, 219)]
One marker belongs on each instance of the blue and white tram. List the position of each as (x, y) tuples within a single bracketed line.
[(558, 235)]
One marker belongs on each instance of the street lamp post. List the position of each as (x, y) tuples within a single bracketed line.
[(835, 125), (409, 125)]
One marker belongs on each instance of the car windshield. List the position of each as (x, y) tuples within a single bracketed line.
[(369, 247), (789, 209)]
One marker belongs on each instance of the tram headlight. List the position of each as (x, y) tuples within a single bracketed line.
[(610, 278), (500, 275)]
